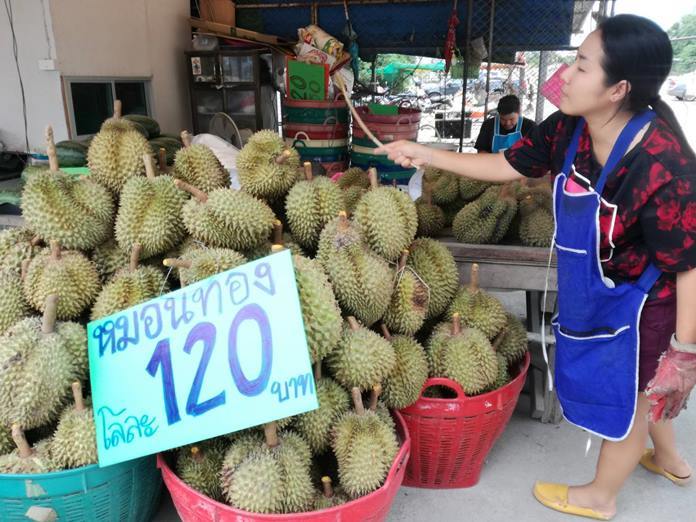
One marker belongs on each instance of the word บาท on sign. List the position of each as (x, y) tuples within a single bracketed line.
[(217, 356)]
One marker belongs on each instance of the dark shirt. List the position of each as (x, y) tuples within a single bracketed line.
[(484, 142), (653, 187)]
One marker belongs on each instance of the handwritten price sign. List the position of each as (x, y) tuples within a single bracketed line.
[(215, 357)]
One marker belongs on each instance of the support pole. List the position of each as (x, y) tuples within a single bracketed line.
[(467, 49), (491, 23)]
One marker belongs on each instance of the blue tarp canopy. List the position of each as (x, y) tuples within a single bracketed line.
[(420, 28)]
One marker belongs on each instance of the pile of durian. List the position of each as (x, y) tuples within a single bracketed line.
[(382, 309), (486, 213)]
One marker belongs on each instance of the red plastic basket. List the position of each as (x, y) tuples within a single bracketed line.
[(452, 437), (192, 506)]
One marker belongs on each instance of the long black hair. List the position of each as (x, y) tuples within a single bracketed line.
[(639, 51)]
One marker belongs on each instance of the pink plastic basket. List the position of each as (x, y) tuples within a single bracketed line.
[(551, 88)]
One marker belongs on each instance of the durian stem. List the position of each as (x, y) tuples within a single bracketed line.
[(353, 323), (427, 194), (394, 184), (474, 281), (77, 396), (20, 440), (162, 159), (317, 371), (118, 109), (328, 488), (177, 263), (403, 259), (51, 150), (196, 453), (48, 321), (277, 248), (372, 174), (277, 232), (35, 241), (374, 396), (283, 157), (343, 220), (270, 430), (186, 138), (135, 256), (25, 269), (149, 166), (385, 332), (195, 192), (357, 401), (456, 323), (308, 170), (55, 250)]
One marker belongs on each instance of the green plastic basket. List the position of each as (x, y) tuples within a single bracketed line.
[(129, 491), (315, 116)]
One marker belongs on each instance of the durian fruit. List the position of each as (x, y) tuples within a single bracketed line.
[(25, 460), (198, 166), (445, 185), (436, 266), (226, 218), (477, 308), (315, 426), (13, 305), (354, 177), (513, 342), (279, 238), (310, 205), (403, 386), (503, 376), (128, 287), (363, 358), (271, 477), (365, 447), (431, 218), (150, 213), (387, 219), (199, 465), (109, 258), (74, 442), (116, 153), (38, 363), (465, 356), (361, 280), (351, 197), (320, 311), (409, 303), (198, 264), (267, 168), (16, 245), (451, 210), (506, 197), (57, 206), (484, 219), (329, 497), (6, 442), (537, 224), (68, 274), (470, 189)]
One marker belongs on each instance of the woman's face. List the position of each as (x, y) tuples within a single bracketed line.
[(584, 92)]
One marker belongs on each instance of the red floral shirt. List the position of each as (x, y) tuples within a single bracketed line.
[(653, 186)]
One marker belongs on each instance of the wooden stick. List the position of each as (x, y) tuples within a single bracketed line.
[(339, 81), (118, 109), (149, 166), (353, 323), (328, 488), (357, 401), (162, 159), (20, 440), (77, 396), (135, 256), (270, 430), (374, 179), (474, 282), (277, 232), (456, 323), (51, 150), (48, 321), (55, 250), (195, 192), (385, 332), (308, 170), (374, 396), (283, 156), (177, 263), (186, 138), (317, 371)]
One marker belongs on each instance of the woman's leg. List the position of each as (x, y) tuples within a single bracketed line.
[(666, 454), (617, 460)]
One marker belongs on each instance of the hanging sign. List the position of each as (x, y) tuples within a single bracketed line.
[(307, 81)]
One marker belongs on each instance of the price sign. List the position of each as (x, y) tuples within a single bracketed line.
[(217, 356), (307, 81)]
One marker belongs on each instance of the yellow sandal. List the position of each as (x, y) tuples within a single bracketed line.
[(648, 463), (555, 496)]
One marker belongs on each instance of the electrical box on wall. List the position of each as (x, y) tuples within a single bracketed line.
[(47, 65)]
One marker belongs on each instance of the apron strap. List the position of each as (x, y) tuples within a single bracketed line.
[(496, 125), (621, 146), (573, 147), (648, 278), (519, 123)]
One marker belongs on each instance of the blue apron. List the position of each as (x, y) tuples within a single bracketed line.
[(502, 142), (596, 328)]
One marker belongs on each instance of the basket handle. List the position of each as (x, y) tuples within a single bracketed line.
[(334, 119), (296, 145), (407, 118), (405, 103), (443, 381), (301, 133)]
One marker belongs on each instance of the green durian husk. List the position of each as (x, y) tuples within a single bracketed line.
[(15, 247), (315, 426), (479, 310), (435, 265), (431, 219), (470, 189), (128, 288), (351, 197), (116, 154), (74, 442), (13, 305), (309, 206), (403, 386), (109, 258), (206, 262), (354, 177), (199, 465), (197, 165), (513, 344), (39, 462), (445, 185), (537, 228), (409, 303)]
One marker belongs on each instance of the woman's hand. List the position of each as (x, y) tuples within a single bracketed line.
[(407, 153)]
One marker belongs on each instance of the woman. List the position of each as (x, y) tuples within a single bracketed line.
[(625, 211)]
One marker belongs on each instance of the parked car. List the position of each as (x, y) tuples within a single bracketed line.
[(682, 87), (436, 91)]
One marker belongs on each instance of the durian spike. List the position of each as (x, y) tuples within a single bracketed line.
[(308, 170), (25, 269), (149, 166), (353, 323), (118, 109), (277, 248), (162, 159), (357, 401), (317, 371), (474, 281), (176, 262), (195, 192), (427, 194), (270, 430), (403, 259), (343, 220), (456, 323), (385, 332), (374, 396), (277, 232), (77, 396), (283, 157), (186, 138), (374, 179), (55, 250), (135, 256), (328, 488), (20, 440), (48, 321), (51, 150)]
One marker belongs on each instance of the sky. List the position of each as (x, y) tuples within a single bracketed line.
[(665, 13)]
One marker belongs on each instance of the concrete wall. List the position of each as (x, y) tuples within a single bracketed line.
[(124, 38)]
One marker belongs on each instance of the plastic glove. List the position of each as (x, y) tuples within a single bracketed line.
[(669, 389)]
